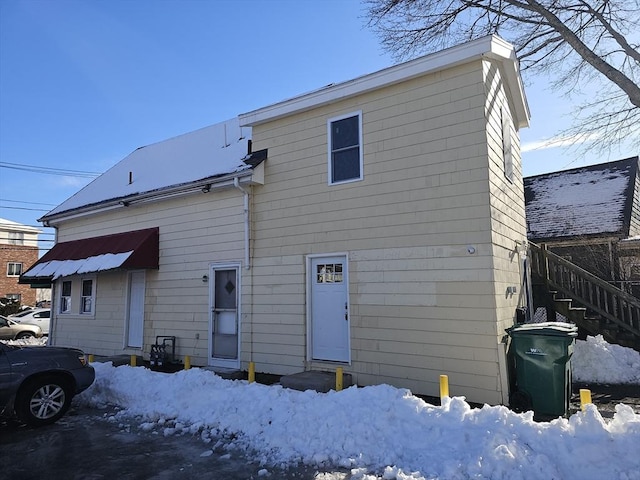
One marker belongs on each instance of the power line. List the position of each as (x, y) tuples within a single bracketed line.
[(27, 203), (49, 170), (26, 208)]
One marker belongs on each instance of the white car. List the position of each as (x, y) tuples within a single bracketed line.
[(35, 316), (12, 330)]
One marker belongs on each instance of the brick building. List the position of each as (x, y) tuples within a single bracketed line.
[(18, 251)]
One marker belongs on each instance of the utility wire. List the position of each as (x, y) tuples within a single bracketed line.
[(49, 170), (26, 208), (26, 203)]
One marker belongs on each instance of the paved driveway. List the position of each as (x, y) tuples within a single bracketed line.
[(83, 445)]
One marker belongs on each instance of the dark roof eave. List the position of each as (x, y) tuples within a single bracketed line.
[(590, 237), (122, 202)]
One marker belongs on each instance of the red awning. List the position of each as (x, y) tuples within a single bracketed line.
[(130, 250)]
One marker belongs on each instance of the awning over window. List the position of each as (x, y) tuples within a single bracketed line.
[(130, 250)]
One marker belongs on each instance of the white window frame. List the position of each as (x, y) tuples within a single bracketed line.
[(10, 269), (83, 297), (330, 151), (65, 300), (16, 238)]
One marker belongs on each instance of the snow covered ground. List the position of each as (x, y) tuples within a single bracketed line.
[(381, 432)]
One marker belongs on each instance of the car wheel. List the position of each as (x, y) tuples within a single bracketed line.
[(24, 335), (43, 401)]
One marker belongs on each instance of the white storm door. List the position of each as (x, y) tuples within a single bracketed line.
[(225, 316), (135, 309), (329, 309)]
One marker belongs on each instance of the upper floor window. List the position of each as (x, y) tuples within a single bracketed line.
[(14, 269), (345, 148), (65, 297), (86, 301), (16, 238), (507, 150)]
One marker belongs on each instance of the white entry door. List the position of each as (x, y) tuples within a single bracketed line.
[(224, 320), (135, 309), (329, 308)]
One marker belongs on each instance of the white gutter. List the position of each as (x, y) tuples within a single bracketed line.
[(146, 197), (245, 193)]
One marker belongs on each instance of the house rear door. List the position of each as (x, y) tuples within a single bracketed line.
[(329, 308), (225, 319), (135, 310)]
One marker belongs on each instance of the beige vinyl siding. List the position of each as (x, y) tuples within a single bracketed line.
[(421, 305), (507, 212), (507, 205), (195, 231), (94, 334)]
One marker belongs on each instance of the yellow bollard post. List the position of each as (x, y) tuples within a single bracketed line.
[(585, 397), (134, 360), (339, 378), (444, 386), (187, 362), (252, 372), (90, 358)]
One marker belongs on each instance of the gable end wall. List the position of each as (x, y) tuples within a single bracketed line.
[(421, 304)]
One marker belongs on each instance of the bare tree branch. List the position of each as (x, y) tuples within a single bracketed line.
[(616, 76), (577, 43)]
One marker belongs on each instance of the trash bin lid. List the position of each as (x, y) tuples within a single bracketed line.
[(560, 329)]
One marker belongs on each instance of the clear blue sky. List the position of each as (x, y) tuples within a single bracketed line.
[(84, 83)]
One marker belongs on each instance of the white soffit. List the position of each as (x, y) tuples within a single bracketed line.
[(491, 47)]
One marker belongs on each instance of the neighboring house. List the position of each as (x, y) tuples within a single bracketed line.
[(590, 216), (372, 224), (18, 251)]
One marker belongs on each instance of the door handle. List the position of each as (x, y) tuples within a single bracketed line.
[(346, 312)]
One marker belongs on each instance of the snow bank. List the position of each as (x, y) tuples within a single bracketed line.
[(596, 361), (382, 432), (378, 430)]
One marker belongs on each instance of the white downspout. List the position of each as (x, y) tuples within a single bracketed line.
[(53, 317), (236, 183)]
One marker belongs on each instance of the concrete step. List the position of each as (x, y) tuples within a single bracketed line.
[(314, 380), (118, 360), (227, 373)]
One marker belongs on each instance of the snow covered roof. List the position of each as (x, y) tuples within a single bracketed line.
[(586, 201), (135, 249), (210, 152), (17, 227)]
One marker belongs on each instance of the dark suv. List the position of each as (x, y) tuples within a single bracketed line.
[(38, 383)]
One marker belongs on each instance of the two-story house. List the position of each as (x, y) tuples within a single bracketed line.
[(373, 224), (18, 251)]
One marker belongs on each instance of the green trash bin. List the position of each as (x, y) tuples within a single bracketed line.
[(539, 355)]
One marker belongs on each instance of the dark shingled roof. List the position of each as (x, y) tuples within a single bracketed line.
[(588, 201)]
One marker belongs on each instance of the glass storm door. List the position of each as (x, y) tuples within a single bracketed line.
[(329, 309), (225, 338)]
